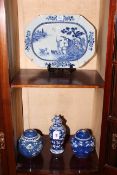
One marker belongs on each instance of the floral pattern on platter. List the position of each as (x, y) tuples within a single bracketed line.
[(60, 40), (63, 18), (57, 134), (83, 143), (30, 143)]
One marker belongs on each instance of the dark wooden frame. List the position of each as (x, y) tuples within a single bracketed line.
[(11, 117), (5, 107), (108, 83)]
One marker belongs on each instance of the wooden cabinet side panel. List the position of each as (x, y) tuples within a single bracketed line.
[(108, 81), (12, 30), (10, 109), (111, 156), (113, 103), (3, 153), (5, 93)]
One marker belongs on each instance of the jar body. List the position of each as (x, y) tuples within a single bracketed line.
[(82, 147), (57, 134), (30, 146)]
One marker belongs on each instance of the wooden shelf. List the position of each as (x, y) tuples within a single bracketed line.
[(41, 78), (66, 163)]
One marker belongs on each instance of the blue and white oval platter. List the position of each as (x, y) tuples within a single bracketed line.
[(60, 41)]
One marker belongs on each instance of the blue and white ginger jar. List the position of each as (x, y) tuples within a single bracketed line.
[(30, 143), (57, 134), (83, 143)]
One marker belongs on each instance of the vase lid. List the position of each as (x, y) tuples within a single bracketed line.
[(30, 133), (83, 134), (57, 120)]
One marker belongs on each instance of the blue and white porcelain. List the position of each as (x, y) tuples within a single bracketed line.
[(83, 143), (60, 41), (57, 134), (30, 143)]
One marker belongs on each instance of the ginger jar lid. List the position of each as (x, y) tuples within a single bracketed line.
[(83, 134), (30, 133), (57, 120)]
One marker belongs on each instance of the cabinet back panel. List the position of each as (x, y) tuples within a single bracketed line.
[(77, 118)]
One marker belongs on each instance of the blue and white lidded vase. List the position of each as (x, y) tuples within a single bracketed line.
[(83, 143), (30, 143), (57, 134)]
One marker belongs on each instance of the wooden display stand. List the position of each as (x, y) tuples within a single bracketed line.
[(13, 79)]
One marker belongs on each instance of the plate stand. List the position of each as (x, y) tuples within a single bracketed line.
[(60, 72)]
